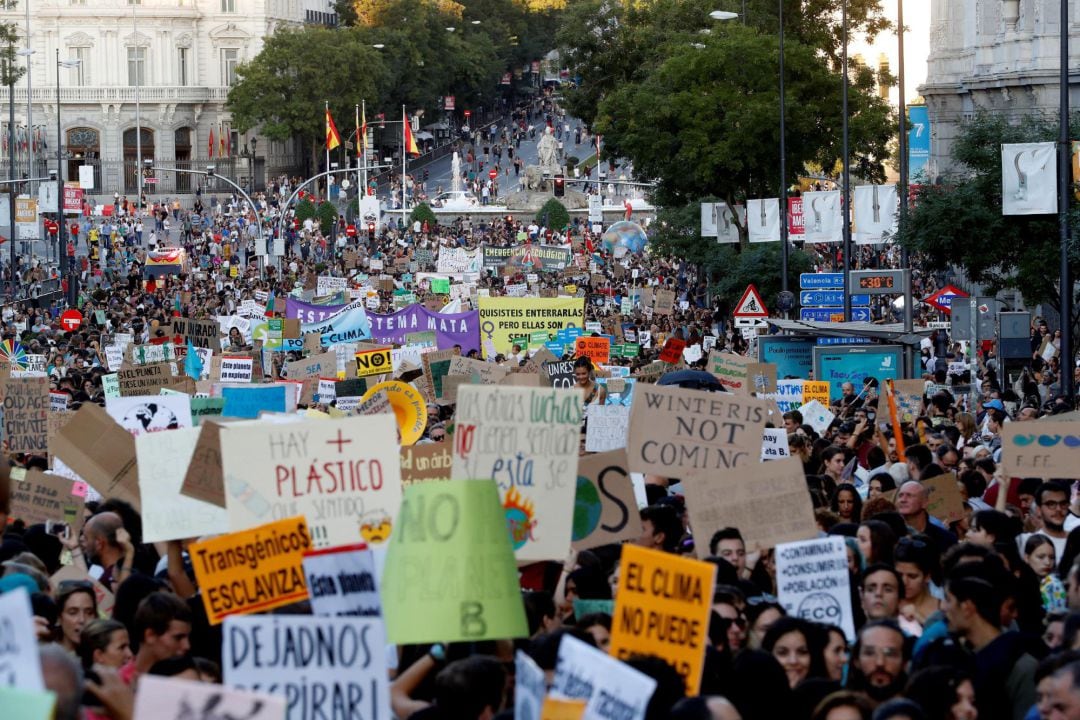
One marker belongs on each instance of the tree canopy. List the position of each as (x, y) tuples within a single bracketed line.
[(959, 222)]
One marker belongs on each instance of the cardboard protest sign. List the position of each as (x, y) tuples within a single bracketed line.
[(946, 502), (662, 608), (143, 414), (761, 378), (325, 667), (559, 373), (248, 402), (203, 408), (610, 688), (769, 504), (20, 666), (527, 440), (789, 394), (144, 379), (483, 373), (816, 415), (236, 368), (436, 367), (673, 350), (103, 452), (774, 444), (105, 599), (425, 463), (731, 370), (664, 302), (254, 570), (530, 686), (26, 410), (203, 479), (374, 362), (168, 514), (342, 581), (201, 333), (606, 427), (909, 399), (38, 497), (342, 475), (168, 697), (812, 579), (429, 590), (597, 349), (815, 390), (1042, 449), (605, 511), (323, 365), (674, 432)]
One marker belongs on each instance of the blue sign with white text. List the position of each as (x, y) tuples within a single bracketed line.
[(918, 140), (815, 281), (824, 314), (830, 298), (793, 356)]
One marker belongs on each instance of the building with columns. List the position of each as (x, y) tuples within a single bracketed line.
[(1002, 56), (162, 66)]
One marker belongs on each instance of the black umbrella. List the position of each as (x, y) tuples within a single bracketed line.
[(692, 380)]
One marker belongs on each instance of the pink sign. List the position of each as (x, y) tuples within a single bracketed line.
[(795, 222)]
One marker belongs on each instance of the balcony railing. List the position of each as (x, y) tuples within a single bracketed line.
[(120, 93)]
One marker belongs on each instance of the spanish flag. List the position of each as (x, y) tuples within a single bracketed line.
[(332, 137), (410, 141), (363, 131), (210, 145)]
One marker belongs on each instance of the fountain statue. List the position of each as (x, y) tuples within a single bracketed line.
[(455, 174)]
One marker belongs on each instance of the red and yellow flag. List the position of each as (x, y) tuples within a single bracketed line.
[(332, 137), (410, 141), (363, 131), (210, 145)]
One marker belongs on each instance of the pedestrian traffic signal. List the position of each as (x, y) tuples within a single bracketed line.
[(560, 186)]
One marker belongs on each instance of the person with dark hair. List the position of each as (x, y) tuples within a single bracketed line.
[(1063, 698), (670, 687), (878, 660), (920, 462), (876, 541), (539, 612), (585, 380), (598, 625), (846, 503), (728, 543), (881, 589), (759, 688), (181, 666), (760, 616), (661, 528), (104, 642), (799, 647), (944, 693), (899, 709), (833, 461), (1004, 670), (918, 563), (473, 688), (704, 708), (844, 705), (880, 483), (77, 605), (1052, 508), (163, 629), (1045, 680), (991, 526)]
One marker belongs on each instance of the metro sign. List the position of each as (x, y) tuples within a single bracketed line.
[(942, 299)]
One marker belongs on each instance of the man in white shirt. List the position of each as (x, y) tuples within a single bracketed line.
[(1052, 507)]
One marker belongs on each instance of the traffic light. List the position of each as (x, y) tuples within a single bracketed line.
[(560, 186)]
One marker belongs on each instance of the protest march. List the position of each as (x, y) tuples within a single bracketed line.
[(489, 469)]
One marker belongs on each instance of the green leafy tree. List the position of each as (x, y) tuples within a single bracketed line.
[(553, 214), (282, 91), (424, 213), (608, 43), (305, 209), (701, 127), (959, 222), (327, 214)]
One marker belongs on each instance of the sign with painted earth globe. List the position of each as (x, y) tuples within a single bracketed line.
[(627, 235)]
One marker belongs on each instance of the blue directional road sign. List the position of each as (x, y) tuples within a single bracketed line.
[(819, 281), (825, 314), (830, 298)]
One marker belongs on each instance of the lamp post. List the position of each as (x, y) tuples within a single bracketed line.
[(73, 282), (252, 143), (905, 257), (26, 53), (783, 166), (845, 195), (1064, 188)]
